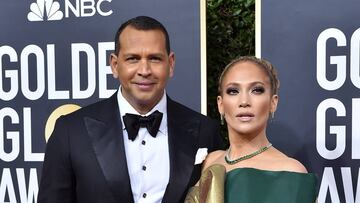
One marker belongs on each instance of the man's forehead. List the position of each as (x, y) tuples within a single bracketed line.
[(134, 40), (133, 31)]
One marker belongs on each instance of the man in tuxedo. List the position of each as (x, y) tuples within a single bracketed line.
[(136, 146)]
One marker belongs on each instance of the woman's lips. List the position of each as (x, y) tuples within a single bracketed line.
[(245, 117)]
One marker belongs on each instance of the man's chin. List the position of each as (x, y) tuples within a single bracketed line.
[(147, 100)]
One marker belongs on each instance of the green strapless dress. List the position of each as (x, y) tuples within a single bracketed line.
[(249, 185)]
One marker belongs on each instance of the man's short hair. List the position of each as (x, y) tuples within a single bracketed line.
[(142, 23)]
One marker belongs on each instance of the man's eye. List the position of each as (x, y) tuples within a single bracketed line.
[(131, 59), (155, 59), (232, 91)]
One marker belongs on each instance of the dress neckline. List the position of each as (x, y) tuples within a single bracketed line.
[(256, 170)]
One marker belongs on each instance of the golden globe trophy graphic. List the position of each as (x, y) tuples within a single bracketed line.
[(60, 111)]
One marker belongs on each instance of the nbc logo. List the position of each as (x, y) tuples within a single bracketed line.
[(49, 10), (45, 10)]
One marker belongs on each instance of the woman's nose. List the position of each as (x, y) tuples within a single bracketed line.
[(244, 101)]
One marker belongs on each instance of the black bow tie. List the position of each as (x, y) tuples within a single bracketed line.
[(134, 122)]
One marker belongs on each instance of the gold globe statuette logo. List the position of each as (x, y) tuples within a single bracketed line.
[(61, 110)]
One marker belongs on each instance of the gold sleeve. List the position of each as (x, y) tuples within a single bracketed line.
[(211, 186)]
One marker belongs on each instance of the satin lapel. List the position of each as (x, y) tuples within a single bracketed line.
[(106, 135), (183, 132)]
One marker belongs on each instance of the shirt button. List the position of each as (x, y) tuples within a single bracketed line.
[(144, 195), (144, 168), (143, 142)]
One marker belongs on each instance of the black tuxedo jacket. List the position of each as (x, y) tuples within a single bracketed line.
[(85, 157)]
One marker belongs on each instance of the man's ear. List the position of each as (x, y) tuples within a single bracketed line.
[(114, 65), (171, 64)]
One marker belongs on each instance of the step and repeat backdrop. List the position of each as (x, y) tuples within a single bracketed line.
[(54, 59), (315, 46)]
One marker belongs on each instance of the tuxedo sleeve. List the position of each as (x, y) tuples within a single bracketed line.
[(57, 182), (212, 129)]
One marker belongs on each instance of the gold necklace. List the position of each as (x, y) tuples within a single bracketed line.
[(248, 156)]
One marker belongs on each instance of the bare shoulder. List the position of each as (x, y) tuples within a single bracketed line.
[(285, 163), (213, 158), (294, 165)]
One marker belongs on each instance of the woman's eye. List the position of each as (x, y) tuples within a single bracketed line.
[(258, 90), (232, 91)]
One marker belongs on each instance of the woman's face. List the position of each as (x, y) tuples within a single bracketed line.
[(246, 100)]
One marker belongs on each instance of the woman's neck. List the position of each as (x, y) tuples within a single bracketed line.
[(241, 144)]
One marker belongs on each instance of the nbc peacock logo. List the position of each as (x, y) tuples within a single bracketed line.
[(45, 10)]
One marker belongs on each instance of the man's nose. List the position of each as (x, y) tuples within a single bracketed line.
[(144, 68)]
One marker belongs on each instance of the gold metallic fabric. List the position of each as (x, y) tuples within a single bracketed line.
[(211, 186)]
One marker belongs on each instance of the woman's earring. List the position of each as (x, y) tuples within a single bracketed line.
[(222, 122), (272, 115)]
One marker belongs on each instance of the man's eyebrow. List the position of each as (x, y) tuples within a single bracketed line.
[(157, 55)]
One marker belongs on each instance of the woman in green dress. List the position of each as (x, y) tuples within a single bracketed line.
[(251, 170)]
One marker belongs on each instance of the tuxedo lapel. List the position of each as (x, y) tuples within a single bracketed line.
[(183, 134), (105, 132)]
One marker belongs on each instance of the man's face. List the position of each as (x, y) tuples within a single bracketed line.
[(142, 66)]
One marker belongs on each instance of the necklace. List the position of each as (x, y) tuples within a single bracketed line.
[(248, 156)]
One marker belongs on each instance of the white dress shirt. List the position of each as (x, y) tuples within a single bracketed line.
[(147, 157)]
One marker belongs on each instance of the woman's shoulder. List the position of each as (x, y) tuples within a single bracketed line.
[(286, 163), (294, 165), (213, 158), (216, 154)]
